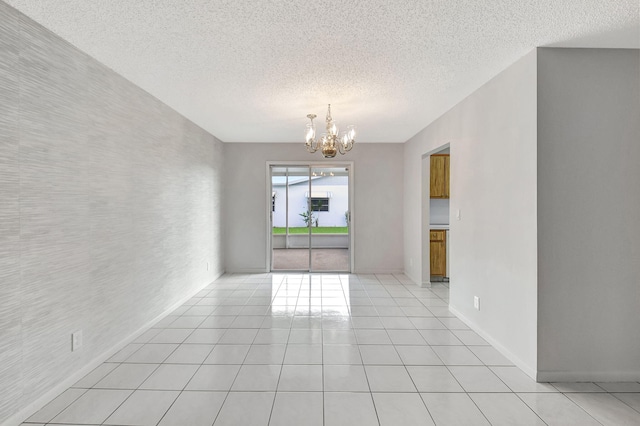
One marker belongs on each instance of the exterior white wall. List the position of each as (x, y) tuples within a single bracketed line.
[(588, 213), (492, 137), (338, 202), (377, 219), (109, 212)]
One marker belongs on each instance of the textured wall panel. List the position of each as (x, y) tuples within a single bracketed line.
[(55, 231), (109, 209), (10, 325)]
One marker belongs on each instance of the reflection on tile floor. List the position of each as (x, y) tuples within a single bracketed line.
[(325, 349)]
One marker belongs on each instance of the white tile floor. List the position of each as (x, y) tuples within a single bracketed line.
[(299, 349)]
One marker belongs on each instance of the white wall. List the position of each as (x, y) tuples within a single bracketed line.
[(588, 214), (109, 211), (492, 136), (377, 220)]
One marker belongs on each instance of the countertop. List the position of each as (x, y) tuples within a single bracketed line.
[(438, 226)]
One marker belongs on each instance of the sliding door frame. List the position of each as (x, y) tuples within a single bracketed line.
[(269, 215)]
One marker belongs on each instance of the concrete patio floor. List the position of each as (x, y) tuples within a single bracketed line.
[(325, 260)]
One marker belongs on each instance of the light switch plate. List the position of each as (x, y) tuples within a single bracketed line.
[(476, 302)]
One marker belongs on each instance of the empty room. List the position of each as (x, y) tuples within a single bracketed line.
[(319, 213)]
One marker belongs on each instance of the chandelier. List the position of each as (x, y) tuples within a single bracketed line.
[(329, 143)]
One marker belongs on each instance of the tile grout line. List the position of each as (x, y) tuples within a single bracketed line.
[(460, 384), (235, 377), (275, 393), (370, 288)]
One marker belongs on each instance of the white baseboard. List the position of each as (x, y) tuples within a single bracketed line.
[(416, 281), (355, 271), (528, 370), (366, 271), (551, 376), (247, 271), (589, 376), (19, 417)]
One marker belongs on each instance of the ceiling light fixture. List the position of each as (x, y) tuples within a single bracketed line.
[(329, 143)]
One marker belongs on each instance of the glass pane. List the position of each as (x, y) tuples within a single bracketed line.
[(290, 236), (329, 202)]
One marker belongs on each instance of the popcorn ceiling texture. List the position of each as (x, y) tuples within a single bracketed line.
[(109, 209), (249, 71)]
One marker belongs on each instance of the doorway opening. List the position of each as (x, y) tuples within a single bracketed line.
[(436, 215), (310, 217)]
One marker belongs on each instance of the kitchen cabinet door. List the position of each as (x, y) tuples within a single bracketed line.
[(439, 176), (438, 252)]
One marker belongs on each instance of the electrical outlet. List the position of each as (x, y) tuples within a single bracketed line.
[(458, 215), (207, 266), (476, 302), (76, 340)]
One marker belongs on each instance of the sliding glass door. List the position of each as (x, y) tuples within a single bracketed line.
[(310, 218)]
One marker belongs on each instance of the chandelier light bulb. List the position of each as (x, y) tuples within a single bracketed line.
[(333, 129), (310, 134), (345, 139), (351, 132)]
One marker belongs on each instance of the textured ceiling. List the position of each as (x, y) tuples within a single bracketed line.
[(250, 71)]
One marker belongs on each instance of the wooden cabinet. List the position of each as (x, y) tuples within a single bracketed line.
[(438, 250), (439, 179)]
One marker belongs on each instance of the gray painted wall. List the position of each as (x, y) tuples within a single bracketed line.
[(377, 219), (588, 214), (545, 162), (109, 209), (492, 137)]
